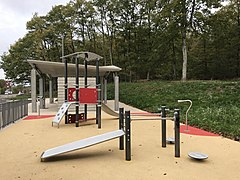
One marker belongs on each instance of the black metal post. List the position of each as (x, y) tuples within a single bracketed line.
[(128, 135), (163, 109), (177, 132), (98, 86), (85, 82), (121, 127), (66, 86), (77, 91)]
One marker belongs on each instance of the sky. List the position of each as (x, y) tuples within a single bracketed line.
[(14, 15)]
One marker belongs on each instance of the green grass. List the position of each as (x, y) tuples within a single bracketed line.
[(216, 104)]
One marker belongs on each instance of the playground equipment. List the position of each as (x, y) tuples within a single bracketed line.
[(194, 155), (123, 130), (186, 120), (171, 140), (109, 111), (197, 155), (63, 109), (83, 95), (82, 144)]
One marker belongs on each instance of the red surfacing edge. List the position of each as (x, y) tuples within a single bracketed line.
[(195, 131), (34, 117)]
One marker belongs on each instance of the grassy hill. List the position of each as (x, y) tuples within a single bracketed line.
[(216, 104)]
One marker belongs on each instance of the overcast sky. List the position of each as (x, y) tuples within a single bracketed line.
[(14, 15)]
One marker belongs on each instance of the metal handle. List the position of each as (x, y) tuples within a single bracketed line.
[(186, 100)]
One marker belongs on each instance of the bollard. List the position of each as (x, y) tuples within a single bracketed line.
[(128, 135), (39, 108), (177, 132), (163, 109), (121, 127)]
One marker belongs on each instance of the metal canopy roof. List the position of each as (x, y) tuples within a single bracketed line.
[(56, 69), (89, 56)]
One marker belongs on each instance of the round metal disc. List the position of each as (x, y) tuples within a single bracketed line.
[(170, 140), (197, 155)]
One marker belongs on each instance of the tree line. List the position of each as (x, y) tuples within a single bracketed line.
[(148, 39)]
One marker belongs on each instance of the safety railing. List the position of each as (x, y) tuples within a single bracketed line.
[(12, 111)]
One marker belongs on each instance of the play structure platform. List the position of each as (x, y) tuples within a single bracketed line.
[(82, 144)]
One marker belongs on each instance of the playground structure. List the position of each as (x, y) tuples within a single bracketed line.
[(124, 130), (82, 95)]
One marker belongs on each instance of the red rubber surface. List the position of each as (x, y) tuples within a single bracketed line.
[(195, 131), (33, 117)]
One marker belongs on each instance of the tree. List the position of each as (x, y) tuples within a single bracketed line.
[(14, 64), (189, 21)]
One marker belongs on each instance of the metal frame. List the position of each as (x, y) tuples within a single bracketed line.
[(85, 82), (98, 84), (163, 119), (77, 91)]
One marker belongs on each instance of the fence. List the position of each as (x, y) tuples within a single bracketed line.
[(12, 111)]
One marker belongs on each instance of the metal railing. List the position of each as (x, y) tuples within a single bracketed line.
[(12, 111)]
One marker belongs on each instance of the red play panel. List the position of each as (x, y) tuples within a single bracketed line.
[(195, 131), (70, 94), (33, 117), (88, 96)]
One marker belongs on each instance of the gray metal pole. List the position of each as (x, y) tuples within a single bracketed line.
[(128, 135), (163, 109), (63, 48), (66, 87), (51, 90), (77, 91), (65, 79), (177, 132), (105, 90), (34, 90), (98, 86), (41, 92), (121, 127), (102, 88), (116, 102), (85, 82)]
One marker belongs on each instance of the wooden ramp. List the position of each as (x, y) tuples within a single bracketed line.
[(82, 144)]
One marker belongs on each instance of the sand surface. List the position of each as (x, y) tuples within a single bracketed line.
[(23, 143)]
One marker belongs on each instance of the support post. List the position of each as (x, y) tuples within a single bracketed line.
[(66, 87), (41, 92), (34, 89), (121, 127), (102, 87), (85, 82), (116, 102), (177, 132), (77, 91), (51, 90), (105, 90), (163, 109), (128, 135), (98, 86)]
